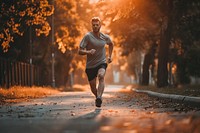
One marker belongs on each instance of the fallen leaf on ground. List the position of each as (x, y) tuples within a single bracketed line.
[(168, 122), (73, 114), (105, 128), (186, 121), (133, 111), (126, 124), (111, 110)]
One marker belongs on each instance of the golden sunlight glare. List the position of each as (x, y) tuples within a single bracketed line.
[(93, 1)]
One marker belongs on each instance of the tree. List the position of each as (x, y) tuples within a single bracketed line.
[(193, 60), (172, 17), (17, 16), (66, 33), (187, 32), (25, 24), (165, 38), (135, 23)]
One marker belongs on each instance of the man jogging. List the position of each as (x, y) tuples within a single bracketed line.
[(93, 45)]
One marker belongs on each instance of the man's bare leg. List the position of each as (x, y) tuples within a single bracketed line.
[(93, 86), (101, 75)]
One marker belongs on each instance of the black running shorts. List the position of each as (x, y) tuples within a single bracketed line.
[(92, 72)]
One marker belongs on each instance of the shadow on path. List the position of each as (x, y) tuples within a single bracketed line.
[(88, 123)]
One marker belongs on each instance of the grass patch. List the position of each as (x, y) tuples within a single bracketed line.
[(186, 90)]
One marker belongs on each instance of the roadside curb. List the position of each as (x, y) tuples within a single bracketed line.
[(191, 101)]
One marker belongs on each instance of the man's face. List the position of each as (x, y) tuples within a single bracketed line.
[(96, 26)]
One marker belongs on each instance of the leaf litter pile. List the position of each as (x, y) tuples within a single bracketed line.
[(18, 94)]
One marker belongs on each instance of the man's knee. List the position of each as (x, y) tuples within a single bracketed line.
[(101, 76)]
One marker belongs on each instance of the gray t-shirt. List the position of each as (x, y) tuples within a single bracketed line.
[(90, 41)]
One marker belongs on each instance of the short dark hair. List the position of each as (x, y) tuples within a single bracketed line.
[(96, 19)]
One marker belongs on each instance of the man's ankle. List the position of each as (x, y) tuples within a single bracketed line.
[(99, 97)]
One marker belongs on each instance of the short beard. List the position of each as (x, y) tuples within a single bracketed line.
[(96, 31)]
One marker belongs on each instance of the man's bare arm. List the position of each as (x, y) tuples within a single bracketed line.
[(85, 52), (110, 47)]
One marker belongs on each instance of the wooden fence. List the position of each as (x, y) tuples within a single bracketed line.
[(18, 73)]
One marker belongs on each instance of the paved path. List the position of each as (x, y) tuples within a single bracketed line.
[(123, 111)]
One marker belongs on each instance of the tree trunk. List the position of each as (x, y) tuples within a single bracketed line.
[(165, 38), (145, 73), (148, 61), (162, 77)]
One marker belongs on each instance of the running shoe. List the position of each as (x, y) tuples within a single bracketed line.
[(98, 102)]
